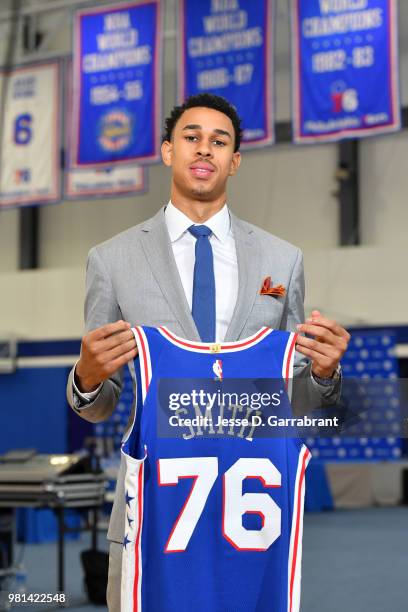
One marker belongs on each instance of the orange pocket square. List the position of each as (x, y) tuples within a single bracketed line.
[(268, 289)]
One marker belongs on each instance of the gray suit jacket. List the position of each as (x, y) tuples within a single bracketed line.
[(134, 277)]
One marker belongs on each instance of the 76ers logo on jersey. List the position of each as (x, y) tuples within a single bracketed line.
[(217, 369)]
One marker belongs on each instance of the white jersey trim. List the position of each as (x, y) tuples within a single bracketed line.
[(288, 361), (131, 581), (144, 359), (296, 533), (215, 347)]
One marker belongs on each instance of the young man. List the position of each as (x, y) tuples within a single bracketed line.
[(146, 276)]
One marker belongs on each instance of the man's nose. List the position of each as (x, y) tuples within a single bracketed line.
[(204, 149)]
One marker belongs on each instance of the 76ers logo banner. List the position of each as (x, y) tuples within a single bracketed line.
[(225, 47), (344, 55), (116, 85)]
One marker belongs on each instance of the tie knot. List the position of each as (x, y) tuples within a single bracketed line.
[(199, 231)]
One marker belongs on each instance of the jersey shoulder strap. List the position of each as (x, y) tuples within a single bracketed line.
[(282, 346), (150, 344)]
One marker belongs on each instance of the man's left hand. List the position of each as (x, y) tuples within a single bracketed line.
[(326, 347)]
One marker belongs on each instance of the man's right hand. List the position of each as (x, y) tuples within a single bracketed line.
[(103, 352)]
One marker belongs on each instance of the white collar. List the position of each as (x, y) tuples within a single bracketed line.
[(178, 223)]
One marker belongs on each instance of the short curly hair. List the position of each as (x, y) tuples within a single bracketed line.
[(209, 101)]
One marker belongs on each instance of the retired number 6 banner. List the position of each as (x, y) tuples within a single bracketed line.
[(30, 135)]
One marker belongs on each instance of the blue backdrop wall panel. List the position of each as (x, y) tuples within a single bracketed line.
[(33, 410), (370, 357)]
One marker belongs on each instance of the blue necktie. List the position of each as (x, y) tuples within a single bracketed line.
[(204, 284)]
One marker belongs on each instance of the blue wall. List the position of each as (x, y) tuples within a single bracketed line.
[(34, 410)]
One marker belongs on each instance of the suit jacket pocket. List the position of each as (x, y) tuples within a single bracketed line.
[(267, 310)]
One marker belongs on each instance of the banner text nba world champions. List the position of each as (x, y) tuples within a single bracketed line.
[(117, 48), (350, 21)]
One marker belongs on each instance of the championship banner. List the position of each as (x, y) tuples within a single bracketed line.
[(345, 69), (30, 135), (117, 84), (103, 182), (225, 48)]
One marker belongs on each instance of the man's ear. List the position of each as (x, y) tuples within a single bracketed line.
[(167, 152), (235, 163)]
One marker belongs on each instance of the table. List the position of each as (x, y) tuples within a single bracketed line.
[(50, 481)]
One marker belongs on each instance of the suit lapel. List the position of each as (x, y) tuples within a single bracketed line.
[(156, 244), (248, 254)]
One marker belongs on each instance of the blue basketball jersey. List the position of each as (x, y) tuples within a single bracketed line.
[(213, 524)]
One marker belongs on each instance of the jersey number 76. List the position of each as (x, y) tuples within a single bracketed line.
[(204, 472)]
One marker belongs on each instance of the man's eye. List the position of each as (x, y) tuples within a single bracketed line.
[(220, 143), (191, 138)]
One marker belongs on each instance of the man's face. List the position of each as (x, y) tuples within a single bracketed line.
[(201, 154)]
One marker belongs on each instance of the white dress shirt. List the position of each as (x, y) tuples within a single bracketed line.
[(225, 261)]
